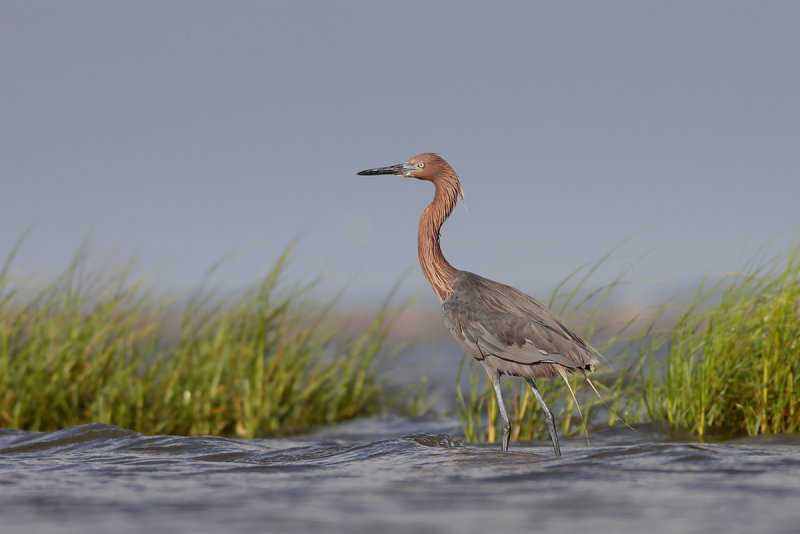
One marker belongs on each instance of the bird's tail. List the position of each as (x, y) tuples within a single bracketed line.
[(563, 374), (616, 416)]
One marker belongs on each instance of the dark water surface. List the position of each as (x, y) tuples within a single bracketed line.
[(393, 475)]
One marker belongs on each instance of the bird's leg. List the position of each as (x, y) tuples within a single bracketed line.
[(548, 416), (502, 406)]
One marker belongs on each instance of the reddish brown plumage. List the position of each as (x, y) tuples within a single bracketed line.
[(435, 267)]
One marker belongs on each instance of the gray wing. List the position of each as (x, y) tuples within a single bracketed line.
[(487, 317)]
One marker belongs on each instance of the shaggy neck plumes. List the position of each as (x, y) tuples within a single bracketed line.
[(436, 269)]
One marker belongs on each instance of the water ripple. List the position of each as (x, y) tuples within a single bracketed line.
[(396, 475)]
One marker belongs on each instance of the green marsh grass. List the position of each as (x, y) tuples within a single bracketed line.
[(733, 360), (92, 347)]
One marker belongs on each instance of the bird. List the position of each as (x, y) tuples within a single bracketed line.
[(509, 332)]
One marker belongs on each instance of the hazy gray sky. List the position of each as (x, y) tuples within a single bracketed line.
[(183, 133)]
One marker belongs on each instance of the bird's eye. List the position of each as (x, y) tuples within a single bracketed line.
[(421, 164)]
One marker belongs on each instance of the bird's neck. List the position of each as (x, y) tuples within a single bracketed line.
[(437, 270)]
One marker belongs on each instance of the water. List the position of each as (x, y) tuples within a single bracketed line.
[(391, 475)]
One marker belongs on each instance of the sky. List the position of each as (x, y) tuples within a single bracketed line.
[(187, 134)]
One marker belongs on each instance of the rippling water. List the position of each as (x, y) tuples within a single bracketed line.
[(393, 475)]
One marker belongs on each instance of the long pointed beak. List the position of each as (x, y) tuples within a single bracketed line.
[(392, 169)]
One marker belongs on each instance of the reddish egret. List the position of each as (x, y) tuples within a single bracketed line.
[(509, 332)]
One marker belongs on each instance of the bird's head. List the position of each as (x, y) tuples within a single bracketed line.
[(427, 166)]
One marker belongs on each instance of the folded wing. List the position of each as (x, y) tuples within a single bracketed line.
[(489, 318)]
